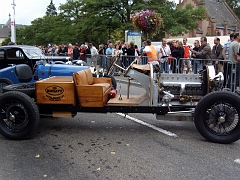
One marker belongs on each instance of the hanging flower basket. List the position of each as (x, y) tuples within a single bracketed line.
[(147, 21)]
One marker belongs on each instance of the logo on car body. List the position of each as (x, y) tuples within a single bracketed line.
[(54, 93)]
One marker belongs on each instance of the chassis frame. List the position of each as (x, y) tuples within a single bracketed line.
[(216, 114)]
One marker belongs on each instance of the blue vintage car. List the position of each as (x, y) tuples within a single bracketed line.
[(25, 64)]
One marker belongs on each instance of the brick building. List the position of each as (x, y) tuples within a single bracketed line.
[(220, 19)]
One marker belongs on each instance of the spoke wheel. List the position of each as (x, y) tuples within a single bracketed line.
[(15, 117), (19, 115), (217, 117)]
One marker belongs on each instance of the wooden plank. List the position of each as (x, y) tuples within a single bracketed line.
[(57, 79), (62, 114), (55, 90), (141, 67), (133, 100)]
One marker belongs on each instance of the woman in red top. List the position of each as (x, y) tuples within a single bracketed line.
[(82, 52)]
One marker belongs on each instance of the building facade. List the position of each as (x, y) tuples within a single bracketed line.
[(220, 19)]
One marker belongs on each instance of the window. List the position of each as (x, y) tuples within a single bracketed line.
[(1, 54), (14, 54), (19, 54)]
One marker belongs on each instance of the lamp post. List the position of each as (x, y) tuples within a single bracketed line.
[(129, 9), (146, 2), (130, 2), (109, 25)]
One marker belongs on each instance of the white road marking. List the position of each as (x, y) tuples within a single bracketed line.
[(237, 161), (148, 125)]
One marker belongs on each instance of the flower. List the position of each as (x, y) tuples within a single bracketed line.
[(147, 21)]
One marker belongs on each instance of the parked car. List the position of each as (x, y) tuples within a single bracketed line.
[(24, 54)]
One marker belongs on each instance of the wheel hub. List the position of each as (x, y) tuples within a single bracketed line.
[(221, 120), (12, 117)]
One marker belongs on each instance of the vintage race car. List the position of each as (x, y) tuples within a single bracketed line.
[(199, 97)]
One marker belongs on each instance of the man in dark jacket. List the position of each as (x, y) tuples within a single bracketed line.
[(217, 49), (197, 64), (205, 52), (76, 53)]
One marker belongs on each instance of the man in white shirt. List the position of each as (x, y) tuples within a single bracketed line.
[(94, 54), (164, 52)]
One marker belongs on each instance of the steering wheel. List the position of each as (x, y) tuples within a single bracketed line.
[(114, 61)]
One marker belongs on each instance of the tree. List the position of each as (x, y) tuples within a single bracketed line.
[(96, 21), (51, 9), (235, 5)]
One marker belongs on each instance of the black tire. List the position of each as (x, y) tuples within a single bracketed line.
[(19, 115), (27, 88), (4, 82), (217, 117), (114, 82)]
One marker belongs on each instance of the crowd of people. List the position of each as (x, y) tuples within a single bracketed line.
[(172, 56), (93, 56), (177, 56)]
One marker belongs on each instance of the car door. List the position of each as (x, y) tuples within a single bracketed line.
[(3, 63)]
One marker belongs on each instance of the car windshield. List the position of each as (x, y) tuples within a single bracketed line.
[(34, 53)]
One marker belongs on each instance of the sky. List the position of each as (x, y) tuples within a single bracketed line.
[(26, 10)]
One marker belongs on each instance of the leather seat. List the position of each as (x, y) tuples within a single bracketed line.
[(91, 91), (23, 72)]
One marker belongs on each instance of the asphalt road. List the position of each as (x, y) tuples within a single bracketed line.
[(111, 146)]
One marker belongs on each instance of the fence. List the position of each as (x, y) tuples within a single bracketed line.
[(229, 69)]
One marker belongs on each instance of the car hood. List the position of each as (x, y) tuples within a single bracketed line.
[(47, 70)]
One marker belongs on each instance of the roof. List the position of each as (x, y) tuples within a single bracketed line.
[(19, 46), (8, 22), (5, 31), (220, 12)]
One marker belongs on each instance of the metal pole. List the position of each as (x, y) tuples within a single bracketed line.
[(13, 27)]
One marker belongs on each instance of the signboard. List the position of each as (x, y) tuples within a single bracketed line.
[(134, 36)]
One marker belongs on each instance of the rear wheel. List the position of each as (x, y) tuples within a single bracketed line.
[(4, 82), (217, 117), (19, 115)]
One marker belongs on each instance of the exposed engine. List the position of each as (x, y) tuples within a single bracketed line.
[(189, 87)]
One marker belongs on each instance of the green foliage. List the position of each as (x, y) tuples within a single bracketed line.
[(6, 41), (51, 9), (235, 5), (97, 21)]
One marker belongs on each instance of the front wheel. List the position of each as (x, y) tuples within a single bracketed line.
[(217, 117), (19, 115)]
